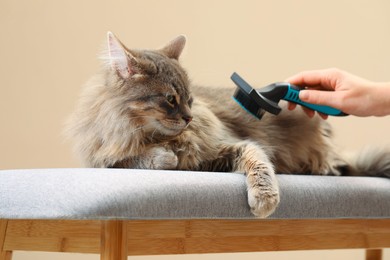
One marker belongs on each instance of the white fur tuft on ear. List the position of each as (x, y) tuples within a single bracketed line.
[(175, 47), (118, 57)]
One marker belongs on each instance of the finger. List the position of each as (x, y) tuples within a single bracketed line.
[(291, 106), (310, 78), (323, 116), (310, 113), (313, 87), (327, 98), (313, 78)]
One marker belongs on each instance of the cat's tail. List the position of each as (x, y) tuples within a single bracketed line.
[(371, 161)]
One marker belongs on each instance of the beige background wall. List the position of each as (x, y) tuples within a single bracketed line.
[(49, 48)]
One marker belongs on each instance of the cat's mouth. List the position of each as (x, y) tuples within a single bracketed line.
[(172, 127)]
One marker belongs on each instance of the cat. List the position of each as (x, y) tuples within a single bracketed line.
[(141, 111)]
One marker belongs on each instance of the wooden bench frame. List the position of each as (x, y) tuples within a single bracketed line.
[(117, 239)]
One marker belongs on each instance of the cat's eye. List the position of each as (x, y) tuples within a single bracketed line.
[(171, 99), (190, 101)]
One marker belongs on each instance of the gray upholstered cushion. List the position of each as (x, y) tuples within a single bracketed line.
[(146, 194)]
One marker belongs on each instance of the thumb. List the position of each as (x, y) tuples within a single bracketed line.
[(317, 97)]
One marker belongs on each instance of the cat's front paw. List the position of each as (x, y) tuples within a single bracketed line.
[(163, 159), (263, 193), (262, 203)]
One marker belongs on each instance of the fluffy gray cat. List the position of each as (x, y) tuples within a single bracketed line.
[(141, 111)]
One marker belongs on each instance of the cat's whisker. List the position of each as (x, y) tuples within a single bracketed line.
[(135, 117), (142, 127), (137, 129), (155, 129)]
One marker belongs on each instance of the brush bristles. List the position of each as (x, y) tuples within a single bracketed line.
[(248, 104)]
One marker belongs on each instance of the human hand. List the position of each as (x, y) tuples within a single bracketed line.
[(342, 90)]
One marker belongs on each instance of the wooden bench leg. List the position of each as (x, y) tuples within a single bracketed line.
[(374, 254), (4, 255), (113, 240)]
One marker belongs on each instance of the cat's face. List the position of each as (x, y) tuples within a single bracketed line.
[(153, 87)]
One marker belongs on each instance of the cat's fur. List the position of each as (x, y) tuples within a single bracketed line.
[(141, 111)]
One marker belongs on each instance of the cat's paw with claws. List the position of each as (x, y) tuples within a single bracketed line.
[(263, 194), (162, 159)]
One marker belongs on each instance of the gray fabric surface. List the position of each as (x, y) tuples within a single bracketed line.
[(146, 194)]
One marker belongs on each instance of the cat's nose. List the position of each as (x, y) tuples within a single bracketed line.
[(187, 119)]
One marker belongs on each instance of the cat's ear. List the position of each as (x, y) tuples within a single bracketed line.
[(120, 59), (175, 47)]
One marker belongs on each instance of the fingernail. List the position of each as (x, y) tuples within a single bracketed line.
[(303, 94)]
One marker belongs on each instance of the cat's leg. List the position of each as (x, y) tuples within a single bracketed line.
[(335, 165), (262, 185), (156, 157)]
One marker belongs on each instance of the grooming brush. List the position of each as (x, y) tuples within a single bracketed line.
[(267, 98)]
